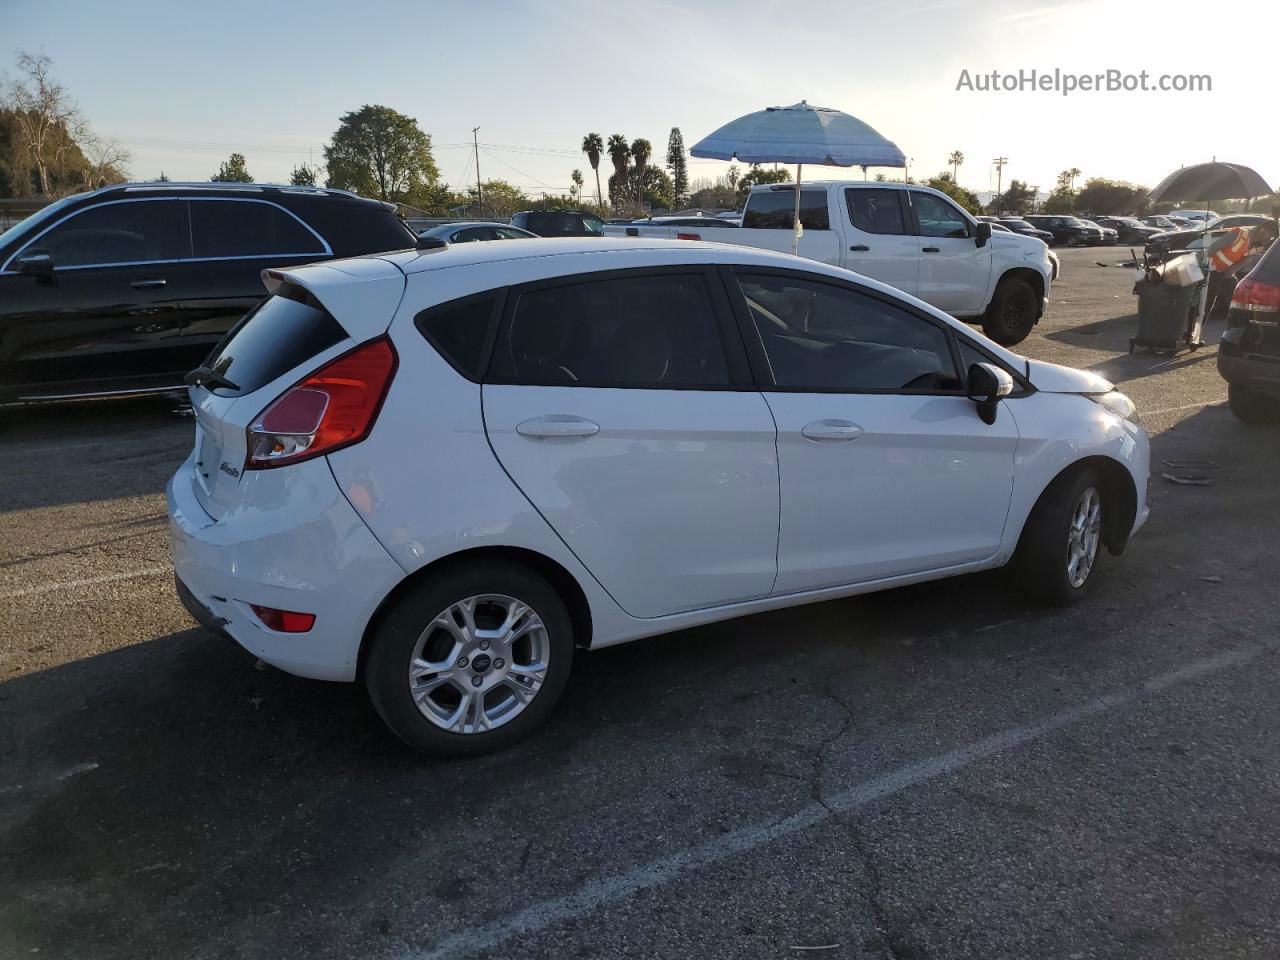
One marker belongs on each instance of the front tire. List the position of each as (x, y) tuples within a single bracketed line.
[(473, 661), (1252, 407), (1012, 313), (1061, 543)]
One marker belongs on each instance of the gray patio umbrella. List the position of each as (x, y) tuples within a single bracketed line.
[(800, 134), (1211, 181)]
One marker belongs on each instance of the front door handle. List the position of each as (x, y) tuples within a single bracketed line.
[(557, 425), (838, 430), (859, 248), (929, 250), (147, 284)]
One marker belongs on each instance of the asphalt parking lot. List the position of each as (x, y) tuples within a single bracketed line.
[(941, 771)]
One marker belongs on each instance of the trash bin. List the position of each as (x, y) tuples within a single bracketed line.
[(1164, 312)]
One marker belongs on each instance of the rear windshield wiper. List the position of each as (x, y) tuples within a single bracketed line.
[(209, 377)]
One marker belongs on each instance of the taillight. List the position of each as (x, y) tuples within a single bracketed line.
[(332, 408), (283, 621), (688, 236), (1255, 296)]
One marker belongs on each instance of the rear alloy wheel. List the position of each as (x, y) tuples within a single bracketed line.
[(1253, 407), (473, 662), (1062, 540), (1012, 313)]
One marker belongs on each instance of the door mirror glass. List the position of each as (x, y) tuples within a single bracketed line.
[(983, 234), (986, 385), (35, 263)]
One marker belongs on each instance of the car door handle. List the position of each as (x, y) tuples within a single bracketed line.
[(930, 250), (831, 430), (860, 248), (147, 284), (557, 425)]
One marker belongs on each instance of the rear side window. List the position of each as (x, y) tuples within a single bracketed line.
[(286, 331), (875, 210), (560, 224), (249, 228), (459, 331), (138, 231), (775, 210), (651, 331)]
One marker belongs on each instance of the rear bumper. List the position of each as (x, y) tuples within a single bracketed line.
[(1259, 371), (296, 545)]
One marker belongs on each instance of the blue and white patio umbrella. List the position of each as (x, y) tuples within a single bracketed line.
[(800, 134)]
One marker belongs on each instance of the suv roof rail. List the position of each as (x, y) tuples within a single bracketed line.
[(241, 187)]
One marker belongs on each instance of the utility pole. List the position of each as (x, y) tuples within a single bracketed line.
[(999, 163), (479, 191)]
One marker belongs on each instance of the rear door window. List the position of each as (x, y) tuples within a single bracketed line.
[(249, 228), (460, 331), (285, 331), (135, 231), (775, 210), (875, 210)]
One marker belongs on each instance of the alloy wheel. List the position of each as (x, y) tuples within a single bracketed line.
[(1083, 536)]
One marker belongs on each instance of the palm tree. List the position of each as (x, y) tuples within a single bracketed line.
[(641, 150), (593, 146), (732, 175), (1073, 173), (955, 160), (576, 177), (619, 154)]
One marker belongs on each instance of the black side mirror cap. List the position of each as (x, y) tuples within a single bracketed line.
[(983, 234), (986, 385)]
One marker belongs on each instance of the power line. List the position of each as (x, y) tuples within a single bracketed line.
[(527, 176)]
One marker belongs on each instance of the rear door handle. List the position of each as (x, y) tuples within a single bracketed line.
[(929, 250), (557, 425), (837, 430), (147, 284), (860, 248)]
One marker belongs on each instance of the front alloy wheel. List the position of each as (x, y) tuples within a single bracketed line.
[(1058, 553), (1083, 536)]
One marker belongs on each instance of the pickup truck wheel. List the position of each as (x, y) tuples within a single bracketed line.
[(1012, 313), (1252, 407)]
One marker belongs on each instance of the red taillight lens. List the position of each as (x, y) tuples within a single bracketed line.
[(333, 408), (283, 621), (688, 236), (1255, 296)]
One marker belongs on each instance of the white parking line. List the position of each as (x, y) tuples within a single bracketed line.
[(605, 890), (1185, 406), (58, 585)]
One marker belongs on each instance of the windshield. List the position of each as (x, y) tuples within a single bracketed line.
[(36, 219), (1074, 222), (1018, 224)]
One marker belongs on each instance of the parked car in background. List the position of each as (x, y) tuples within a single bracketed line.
[(1160, 222), (1240, 220), (677, 221), (640, 437), (124, 290), (1109, 234), (1199, 216), (477, 230), (1066, 229), (1194, 237), (1054, 264), (558, 223), (1249, 354), (910, 236), (1018, 225), (1128, 229)]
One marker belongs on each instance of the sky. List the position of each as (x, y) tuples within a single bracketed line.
[(181, 85)]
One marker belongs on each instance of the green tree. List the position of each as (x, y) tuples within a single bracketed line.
[(956, 159), (755, 175), (162, 178), (381, 153), (620, 155), (712, 194), (593, 146), (641, 151), (1102, 196), (946, 183), (576, 177), (732, 175), (233, 171), (677, 165), (303, 176), (1067, 178), (501, 199), (1019, 198)]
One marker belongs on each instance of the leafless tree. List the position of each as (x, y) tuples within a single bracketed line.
[(107, 161), (47, 116)]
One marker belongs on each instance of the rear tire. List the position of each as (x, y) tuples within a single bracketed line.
[(472, 661), (1012, 313), (1061, 544), (1252, 407)]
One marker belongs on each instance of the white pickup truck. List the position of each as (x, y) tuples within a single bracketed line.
[(911, 237)]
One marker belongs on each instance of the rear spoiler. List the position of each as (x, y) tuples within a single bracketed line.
[(362, 294)]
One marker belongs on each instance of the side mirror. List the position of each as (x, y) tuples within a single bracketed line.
[(983, 234), (35, 263), (986, 385)]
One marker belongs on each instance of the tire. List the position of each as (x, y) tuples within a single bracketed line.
[(1012, 313), (1251, 407), (1043, 562), (430, 624)]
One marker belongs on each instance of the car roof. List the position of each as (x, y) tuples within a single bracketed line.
[(445, 227)]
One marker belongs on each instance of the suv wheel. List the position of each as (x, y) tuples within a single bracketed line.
[(472, 662), (1252, 407), (1012, 313), (1062, 541)]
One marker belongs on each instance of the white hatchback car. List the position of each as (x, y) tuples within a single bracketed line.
[(439, 471)]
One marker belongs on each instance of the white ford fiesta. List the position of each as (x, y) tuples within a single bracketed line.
[(440, 471)]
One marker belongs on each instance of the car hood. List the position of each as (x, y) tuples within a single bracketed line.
[(1018, 241), (1055, 378)]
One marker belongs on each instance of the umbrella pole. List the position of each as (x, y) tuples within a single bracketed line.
[(797, 230)]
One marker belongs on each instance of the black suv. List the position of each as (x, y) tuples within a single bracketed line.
[(1249, 354), (558, 223), (126, 289), (1069, 230)]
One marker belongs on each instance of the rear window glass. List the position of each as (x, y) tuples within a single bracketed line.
[(284, 332), (561, 224), (775, 210), (248, 228), (459, 331)]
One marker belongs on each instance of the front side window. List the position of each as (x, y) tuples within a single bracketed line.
[(249, 228), (644, 331), (775, 210), (875, 210), (139, 231), (825, 338), (474, 233), (938, 218)]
